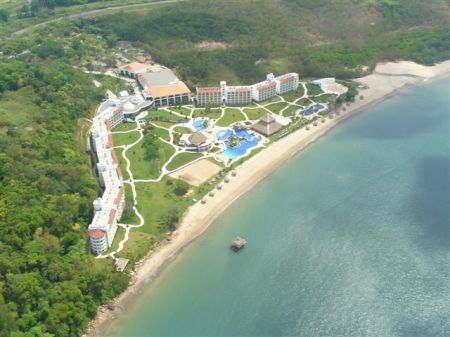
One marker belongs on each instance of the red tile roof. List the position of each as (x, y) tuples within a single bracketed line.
[(134, 66), (96, 233), (110, 141), (119, 196), (119, 172), (117, 110), (208, 91), (112, 215), (266, 85)]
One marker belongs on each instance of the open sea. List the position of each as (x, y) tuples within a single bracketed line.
[(349, 238)]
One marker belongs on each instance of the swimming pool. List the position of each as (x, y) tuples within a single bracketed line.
[(198, 124), (244, 146), (313, 109)]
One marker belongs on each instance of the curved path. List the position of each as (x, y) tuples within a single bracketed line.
[(178, 150)]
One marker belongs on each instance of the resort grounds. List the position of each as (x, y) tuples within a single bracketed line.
[(386, 80)]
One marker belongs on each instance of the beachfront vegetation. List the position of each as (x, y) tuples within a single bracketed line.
[(49, 284), (314, 40)]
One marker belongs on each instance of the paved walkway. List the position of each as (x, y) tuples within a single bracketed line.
[(212, 129)]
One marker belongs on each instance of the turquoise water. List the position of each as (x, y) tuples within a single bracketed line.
[(349, 238), (235, 152)]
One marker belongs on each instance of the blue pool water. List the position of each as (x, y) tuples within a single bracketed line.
[(198, 125), (233, 153), (224, 134), (313, 109)]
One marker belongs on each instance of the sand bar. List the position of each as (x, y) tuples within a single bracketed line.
[(387, 79)]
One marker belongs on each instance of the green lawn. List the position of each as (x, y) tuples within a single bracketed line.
[(305, 102), (182, 129), (163, 114), (313, 89), (293, 95), (184, 111), (125, 127), (277, 107), (129, 216), (120, 235), (156, 200), (122, 163), (163, 124), (322, 98), (182, 159), (231, 116), (289, 111), (17, 108), (143, 168), (125, 138), (255, 113), (163, 133), (213, 114)]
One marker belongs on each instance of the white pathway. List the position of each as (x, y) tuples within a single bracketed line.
[(178, 149)]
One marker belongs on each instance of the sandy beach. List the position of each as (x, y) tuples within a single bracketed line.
[(386, 80)]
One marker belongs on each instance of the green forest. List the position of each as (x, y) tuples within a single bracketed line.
[(49, 284), (316, 38)]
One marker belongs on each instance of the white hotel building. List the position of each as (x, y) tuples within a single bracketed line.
[(243, 95), (109, 207)]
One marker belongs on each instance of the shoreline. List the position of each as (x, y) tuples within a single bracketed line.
[(387, 80)]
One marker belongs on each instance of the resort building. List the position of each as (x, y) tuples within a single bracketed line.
[(133, 69), (267, 125), (109, 207), (236, 96), (197, 141), (286, 83), (243, 95), (209, 96), (265, 90), (164, 88)]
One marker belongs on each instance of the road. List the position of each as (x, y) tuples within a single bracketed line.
[(95, 11)]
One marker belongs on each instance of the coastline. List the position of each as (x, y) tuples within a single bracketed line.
[(387, 80)]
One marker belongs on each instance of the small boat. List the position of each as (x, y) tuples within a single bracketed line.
[(238, 243)]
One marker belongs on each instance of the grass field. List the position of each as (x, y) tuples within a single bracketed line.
[(290, 110), (304, 102), (182, 129), (255, 113), (125, 127), (184, 111), (313, 89), (214, 114), (148, 169), (163, 133), (231, 116), (277, 107), (156, 200), (293, 95), (163, 114), (122, 164), (125, 138), (182, 159), (17, 108), (322, 98)]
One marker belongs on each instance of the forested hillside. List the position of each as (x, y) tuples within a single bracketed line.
[(315, 37), (49, 284)]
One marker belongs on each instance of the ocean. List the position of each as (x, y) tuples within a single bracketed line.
[(351, 238)]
